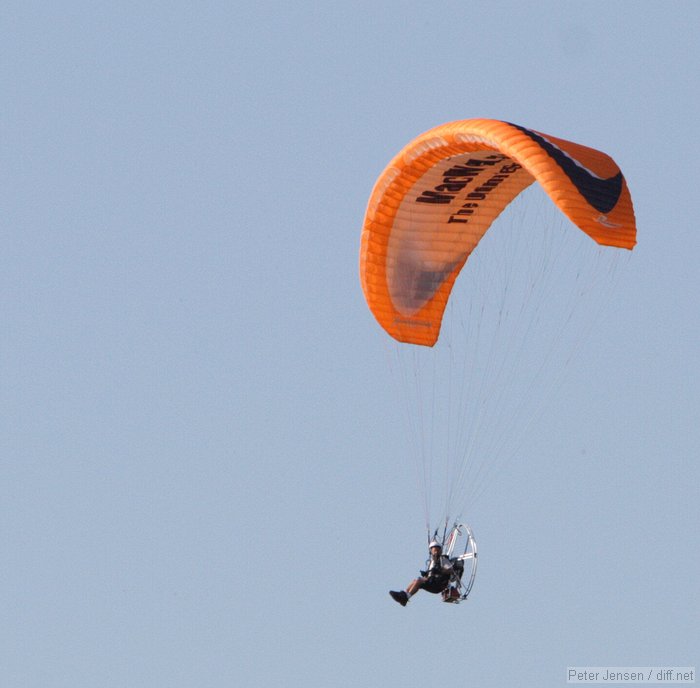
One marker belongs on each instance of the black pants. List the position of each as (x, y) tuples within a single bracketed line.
[(436, 584)]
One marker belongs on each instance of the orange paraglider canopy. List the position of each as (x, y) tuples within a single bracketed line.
[(435, 200)]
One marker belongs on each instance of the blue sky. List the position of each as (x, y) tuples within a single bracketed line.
[(204, 481)]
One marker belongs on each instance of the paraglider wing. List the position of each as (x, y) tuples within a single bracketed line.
[(436, 199)]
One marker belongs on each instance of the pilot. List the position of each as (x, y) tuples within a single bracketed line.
[(434, 579)]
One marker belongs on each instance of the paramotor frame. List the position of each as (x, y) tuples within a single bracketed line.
[(461, 540)]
